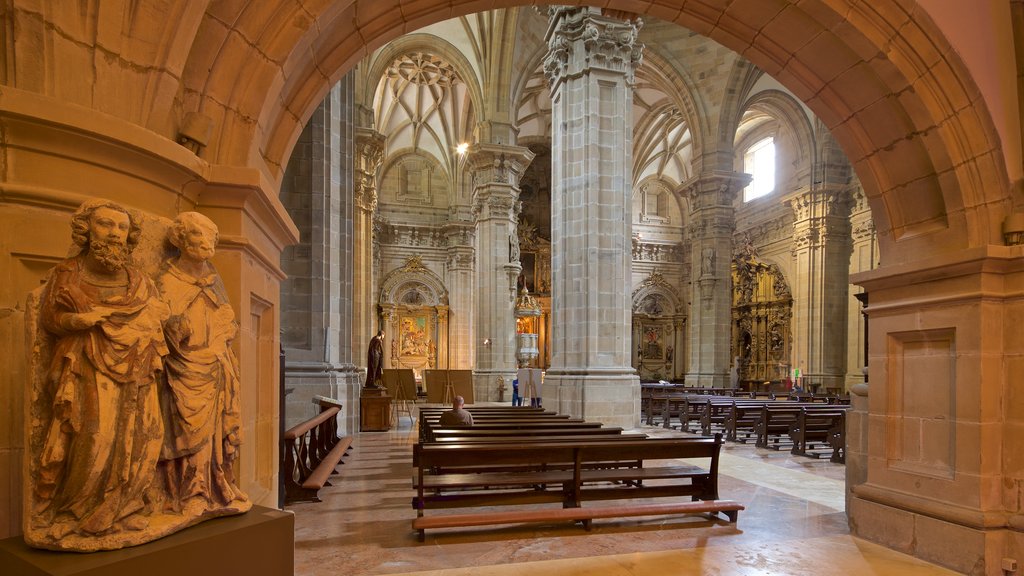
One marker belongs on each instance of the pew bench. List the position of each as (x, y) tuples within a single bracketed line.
[(311, 451), (568, 473), (811, 428)]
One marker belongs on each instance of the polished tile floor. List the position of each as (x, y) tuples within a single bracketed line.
[(794, 524)]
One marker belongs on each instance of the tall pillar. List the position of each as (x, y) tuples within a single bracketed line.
[(821, 256), (712, 223), (460, 236), (369, 154), (496, 171), (317, 194), (590, 66)]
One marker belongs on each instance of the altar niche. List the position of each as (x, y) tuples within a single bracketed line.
[(658, 330), (762, 312), (414, 313)]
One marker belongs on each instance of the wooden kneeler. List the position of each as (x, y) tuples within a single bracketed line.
[(730, 508)]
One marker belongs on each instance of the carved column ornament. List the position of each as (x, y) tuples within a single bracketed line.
[(582, 38), (369, 155)]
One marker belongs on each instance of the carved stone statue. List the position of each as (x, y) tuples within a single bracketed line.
[(95, 425), (375, 360), (134, 412), (200, 403)]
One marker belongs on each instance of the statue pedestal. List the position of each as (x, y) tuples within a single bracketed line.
[(375, 410), (261, 541)]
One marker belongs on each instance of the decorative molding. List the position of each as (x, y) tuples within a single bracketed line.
[(656, 251), (410, 235), (369, 156)]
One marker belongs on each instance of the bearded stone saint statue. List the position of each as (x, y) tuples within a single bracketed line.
[(200, 404), (96, 429), (134, 413)]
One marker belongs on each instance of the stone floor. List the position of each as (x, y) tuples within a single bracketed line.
[(794, 523)]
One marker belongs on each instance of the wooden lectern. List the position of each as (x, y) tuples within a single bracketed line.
[(375, 410)]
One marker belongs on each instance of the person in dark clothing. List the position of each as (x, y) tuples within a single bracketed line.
[(457, 416)]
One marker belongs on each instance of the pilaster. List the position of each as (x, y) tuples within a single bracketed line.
[(369, 155), (943, 478), (460, 267)]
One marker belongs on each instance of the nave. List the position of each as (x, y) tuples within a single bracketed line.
[(794, 523)]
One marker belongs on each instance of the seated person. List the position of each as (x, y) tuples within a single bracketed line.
[(457, 416)]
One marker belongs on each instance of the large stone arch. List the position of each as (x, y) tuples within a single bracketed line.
[(896, 96), (882, 77)]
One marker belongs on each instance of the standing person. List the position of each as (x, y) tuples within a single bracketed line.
[(99, 425), (375, 360), (200, 404), (457, 416)]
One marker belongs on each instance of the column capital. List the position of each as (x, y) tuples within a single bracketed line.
[(823, 202), (498, 164), (820, 215), (713, 189), (582, 39)]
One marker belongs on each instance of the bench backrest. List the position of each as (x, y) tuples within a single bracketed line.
[(448, 455)]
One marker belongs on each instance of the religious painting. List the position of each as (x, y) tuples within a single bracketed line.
[(414, 337), (652, 346)]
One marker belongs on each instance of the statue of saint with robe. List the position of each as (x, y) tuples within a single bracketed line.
[(95, 420), (200, 403)]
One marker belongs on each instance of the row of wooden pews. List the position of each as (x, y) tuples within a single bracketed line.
[(529, 456), (806, 424)]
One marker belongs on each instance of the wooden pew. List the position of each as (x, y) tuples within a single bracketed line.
[(477, 431), (572, 474), (311, 451), (740, 420), (772, 428), (811, 427), (430, 416), (496, 439), (837, 440)]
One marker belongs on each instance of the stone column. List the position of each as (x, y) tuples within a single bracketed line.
[(821, 258), (316, 192), (589, 66), (460, 236), (712, 223), (369, 154), (496, 171)]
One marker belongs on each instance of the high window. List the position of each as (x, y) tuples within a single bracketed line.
[(759, 161)]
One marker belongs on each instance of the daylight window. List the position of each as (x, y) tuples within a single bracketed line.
[(759, 161)]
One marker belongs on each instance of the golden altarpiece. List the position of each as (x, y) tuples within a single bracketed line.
[(414, 313), (762, 312), (535, 258)]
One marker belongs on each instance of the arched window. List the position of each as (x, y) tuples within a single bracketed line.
[(759, 161)]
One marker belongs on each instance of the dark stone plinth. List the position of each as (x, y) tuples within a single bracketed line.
[(261, 541)]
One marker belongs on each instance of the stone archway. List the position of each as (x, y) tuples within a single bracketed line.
[(881, 76), (918, 87)]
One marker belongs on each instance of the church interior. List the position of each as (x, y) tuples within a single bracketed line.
[(719, 194)]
